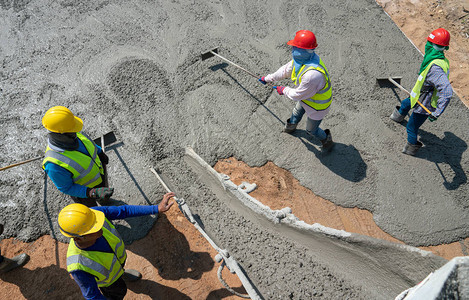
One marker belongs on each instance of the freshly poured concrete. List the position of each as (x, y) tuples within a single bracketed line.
[(135, 68)]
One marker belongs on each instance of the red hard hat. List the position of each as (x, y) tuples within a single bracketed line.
[(439, 36), (304, 39)]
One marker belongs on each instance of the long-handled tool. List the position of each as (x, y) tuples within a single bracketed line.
[(106, 139), (223, 255), (103, 141), (21, 163), (214, 52), (394, 81)]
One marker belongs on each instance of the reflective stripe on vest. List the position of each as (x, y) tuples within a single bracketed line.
[(106, 267), (416, 90), (322, 99), (85, 170)]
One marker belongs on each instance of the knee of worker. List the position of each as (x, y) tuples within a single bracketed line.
[(405, 107), (298, 112)]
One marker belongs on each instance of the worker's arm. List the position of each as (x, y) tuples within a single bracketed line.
[(311, 82), (62, 179), (88, 286), (282, 73), (127, 211), (438, 78)]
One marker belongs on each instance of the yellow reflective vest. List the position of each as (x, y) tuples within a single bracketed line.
[(415, 94), (322, 99), (86, 170), (105, 267)]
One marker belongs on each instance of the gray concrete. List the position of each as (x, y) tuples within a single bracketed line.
[(134, 67)]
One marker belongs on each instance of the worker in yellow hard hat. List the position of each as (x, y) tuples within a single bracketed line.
[(96, 254), (73, 162)]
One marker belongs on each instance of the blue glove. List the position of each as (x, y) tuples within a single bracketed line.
[(279, 89), (432, 118), (262, 80)]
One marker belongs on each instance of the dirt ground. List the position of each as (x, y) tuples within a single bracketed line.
[(185, 268)]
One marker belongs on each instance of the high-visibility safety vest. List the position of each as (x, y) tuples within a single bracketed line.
[(86, 170), (415, 94), (105, 267), (322, 99)]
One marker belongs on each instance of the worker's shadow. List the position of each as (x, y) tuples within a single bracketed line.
[(52, 282), (169, 252), (343, 160), (222, 67), (449, 151), (156, 290)]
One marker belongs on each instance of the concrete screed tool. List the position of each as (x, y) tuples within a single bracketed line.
[(214, 52), (106, 140), (223, 255), (395, 81)]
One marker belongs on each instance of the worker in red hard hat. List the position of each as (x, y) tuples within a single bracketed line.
[(312, 92), (432, 89)]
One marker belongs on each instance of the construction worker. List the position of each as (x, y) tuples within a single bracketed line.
[(432, 89), (73, 161), (312, 92), (7, 264), (96, 253)]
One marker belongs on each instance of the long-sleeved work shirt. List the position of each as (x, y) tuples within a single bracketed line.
[(62, 178), (312, 82), (87, 282), (436, 79)]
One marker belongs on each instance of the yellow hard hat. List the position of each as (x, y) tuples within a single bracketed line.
[(60, 119), (76, 220)]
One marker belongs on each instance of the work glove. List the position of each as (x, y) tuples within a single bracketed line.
[(262, 80), (103, 193), (103, 158), (279, 89), (432, 118)]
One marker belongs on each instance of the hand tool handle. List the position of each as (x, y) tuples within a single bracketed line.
[(403, 89), (20, 163), (105, 178), (239, 67)]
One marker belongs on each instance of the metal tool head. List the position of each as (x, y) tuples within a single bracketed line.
[(209, 54), (109, 138), (384, 82)]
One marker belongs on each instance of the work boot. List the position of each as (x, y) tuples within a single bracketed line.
[(411, 149), (289, 127), (9, 264), (396, 115), (131, 275), (327, 143)]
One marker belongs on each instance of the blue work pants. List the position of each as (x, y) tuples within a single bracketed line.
[(415, 121), (312, 126)]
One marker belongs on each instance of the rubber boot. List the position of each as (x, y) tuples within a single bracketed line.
[(327, 143), (289, 127), (411, 149), (9, 264), (396, 116), (131, 275)]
